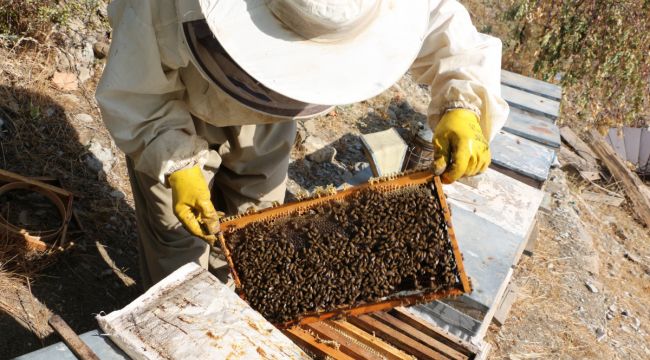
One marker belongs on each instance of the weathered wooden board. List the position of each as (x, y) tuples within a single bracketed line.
[(618, 143), (498, 199), (504, 307), (539, 87), (191, 315), (531, 102), (632, 144), (633, 186), (579, 146), (522, 156), (488, 254), (533, 127), (602, 198)]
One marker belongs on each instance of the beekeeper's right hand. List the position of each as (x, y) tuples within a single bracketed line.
[(192, 203)]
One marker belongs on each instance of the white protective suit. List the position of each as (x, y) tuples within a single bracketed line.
[(151, 89), (152, 96)]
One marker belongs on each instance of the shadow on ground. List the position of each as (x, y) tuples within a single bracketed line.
[(40, 141), (350, 158)]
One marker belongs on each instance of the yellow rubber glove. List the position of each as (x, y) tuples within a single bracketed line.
[(192, 204), (460, 149)]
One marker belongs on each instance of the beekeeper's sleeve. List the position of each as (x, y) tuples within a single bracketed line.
[(140, 93), (462, 66)]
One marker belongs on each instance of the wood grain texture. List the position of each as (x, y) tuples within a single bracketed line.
[(346, 344), (580, 147), (74, 342), (533, 127), (396, 338), (521, 155), (629, 180), (391, 353), (315, 346), (539, 87), (418, 335), (531, 102)]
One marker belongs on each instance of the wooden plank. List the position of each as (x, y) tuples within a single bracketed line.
[(418, 335), (579, 146), (533, 127), (630, 181), (535, 86), (517, 176), (497, 198), (644, 151), (182, 316), (489, 254), (618, 143), (632, 144), (531, 102), (311, 344), (487, 320), (466, 348), (588, 170), (371, 341), (503, 310), (346, 343), (78, 347), (531, 244), (602, 198), (401, 341), (450, 319), (522, 156)]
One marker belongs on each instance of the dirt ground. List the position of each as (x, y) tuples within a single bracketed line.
[(55, 132)]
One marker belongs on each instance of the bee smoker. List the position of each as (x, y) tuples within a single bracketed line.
[(420, 150)]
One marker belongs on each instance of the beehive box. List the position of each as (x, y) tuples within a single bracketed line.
[(369, 248)]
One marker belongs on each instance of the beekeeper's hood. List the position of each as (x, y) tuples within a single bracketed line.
[(282, 57)]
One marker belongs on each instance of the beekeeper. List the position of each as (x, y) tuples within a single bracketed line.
[(202, 97)]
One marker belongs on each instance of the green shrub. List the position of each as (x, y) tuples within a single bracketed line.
[(36, 18), (600, 49)]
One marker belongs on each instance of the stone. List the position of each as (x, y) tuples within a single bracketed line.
[(100, 158), (600, 334), (318, 150), (100, 49), (117, 194), (591, 287), (85, 118), (637, 324), (87, 54), (324, 155), (85, 73), (625, 312), (310, 127)]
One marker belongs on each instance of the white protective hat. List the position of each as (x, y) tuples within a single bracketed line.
[(329, 52)]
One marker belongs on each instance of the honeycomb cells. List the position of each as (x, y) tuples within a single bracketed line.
[(365, 248)]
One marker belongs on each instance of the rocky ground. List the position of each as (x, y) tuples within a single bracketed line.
[(584, 293)]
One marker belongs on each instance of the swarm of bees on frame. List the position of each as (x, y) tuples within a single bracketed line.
[(370, 246)]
